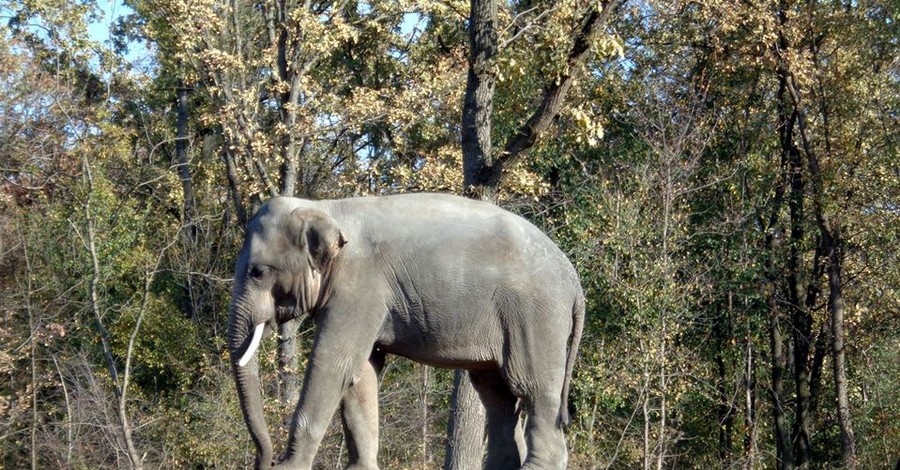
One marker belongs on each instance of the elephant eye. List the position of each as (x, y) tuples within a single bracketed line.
[(258, 272)]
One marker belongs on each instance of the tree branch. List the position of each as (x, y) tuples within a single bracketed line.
[(554, 96)]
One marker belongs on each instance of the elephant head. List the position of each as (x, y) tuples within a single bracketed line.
[(283, 271)]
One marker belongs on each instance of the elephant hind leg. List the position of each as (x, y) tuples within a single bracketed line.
[(505, 440), (359, 415), (535, 368), (545, 439)]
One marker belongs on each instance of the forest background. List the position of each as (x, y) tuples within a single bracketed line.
[(724, 175)]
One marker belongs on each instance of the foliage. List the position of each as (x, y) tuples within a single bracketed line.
[(663, 178)]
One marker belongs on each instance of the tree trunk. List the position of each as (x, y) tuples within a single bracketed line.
[(594, 20), (784, 451), (831, 243), (32, 329), (750, 446), (288, 364), (783, 448), (134, 460), (189, 207), (465, 434), (234, 189), (818, 361), (801, 316), (482, 180), (727, 408), (478, 103), (426, 383), (291, 71), (181, 154), (663, 396), (830, 230), (645, 412), (726, 412), (290, 147), (784, 459), (799, 303), (836, 308)]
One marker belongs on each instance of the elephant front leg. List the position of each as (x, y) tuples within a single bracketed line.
[(359, 414), (340, 349), (322, 390)]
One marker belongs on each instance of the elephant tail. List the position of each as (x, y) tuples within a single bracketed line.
[(575, 339)]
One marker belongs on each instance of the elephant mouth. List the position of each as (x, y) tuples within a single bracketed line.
[(286, 310)]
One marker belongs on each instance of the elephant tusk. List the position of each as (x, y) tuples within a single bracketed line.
[(254, 343)]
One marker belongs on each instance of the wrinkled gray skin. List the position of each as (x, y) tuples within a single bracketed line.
[(442, 280)]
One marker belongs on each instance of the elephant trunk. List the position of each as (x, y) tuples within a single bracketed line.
[(247, 380), (245, 366)]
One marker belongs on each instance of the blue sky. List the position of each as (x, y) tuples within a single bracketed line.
[(100, 30), (138, 53), (112, 9)]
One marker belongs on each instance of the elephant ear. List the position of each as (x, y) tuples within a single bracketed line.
[(318, 236)]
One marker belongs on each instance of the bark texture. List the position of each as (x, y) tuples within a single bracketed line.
[(181, 154), (465, 434), (288, 364), (478, 103), (482, 175), (832, 247), (836, 307), (784, 458)]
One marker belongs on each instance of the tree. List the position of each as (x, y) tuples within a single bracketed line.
[(483, 169), (722, 174)]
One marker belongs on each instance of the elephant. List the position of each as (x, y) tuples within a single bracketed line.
[(442, 280)]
